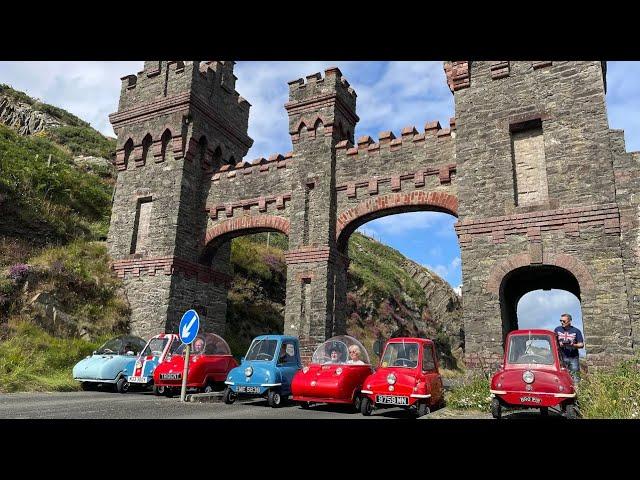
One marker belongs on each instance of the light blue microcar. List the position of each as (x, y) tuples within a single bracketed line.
[(266, 371), (107, 364)]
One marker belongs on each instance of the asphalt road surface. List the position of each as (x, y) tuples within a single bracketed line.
[(145, 405)]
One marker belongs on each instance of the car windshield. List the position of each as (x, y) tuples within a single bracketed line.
[(400, 354), (262, 350), (155, 347), (206, 344), (343, 350), (121, 345), (530, 349)]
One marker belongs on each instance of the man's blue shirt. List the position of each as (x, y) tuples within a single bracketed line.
[(568, 336)]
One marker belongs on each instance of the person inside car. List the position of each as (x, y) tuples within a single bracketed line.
[(354, 355), (198, 345)]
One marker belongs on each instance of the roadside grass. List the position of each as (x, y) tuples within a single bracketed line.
[(612, 392), (31, 360), (470, 394)]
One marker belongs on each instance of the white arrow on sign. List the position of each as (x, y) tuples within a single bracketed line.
[(186, 330)]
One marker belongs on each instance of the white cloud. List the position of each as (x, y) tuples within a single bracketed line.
[(400, 224), (89, 90), (542, 309)]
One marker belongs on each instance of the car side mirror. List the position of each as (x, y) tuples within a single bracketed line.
[(130, 353), (94, 352), (377, 347), (241, 359)]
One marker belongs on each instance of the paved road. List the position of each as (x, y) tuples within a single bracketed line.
[(138, 405)]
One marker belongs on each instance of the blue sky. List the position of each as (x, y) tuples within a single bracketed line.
[(391, 95)]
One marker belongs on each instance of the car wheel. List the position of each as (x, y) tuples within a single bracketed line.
[(229, 396), (544, 411), (422, 409), (169, 392), (571, 411), (208, 388), (496, 408), (305, 405), (357, 403), (122, 386), (158, 390), (366, 407), (274, 398), (87, 386)]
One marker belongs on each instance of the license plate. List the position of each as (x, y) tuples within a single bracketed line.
[(530, 399), (138, 379), (170, 376), (392, 400), (244, 389)]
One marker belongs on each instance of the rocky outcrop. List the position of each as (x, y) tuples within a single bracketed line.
[(24, 117)]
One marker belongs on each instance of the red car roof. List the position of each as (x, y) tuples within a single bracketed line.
[(409, 339), (531, 331)]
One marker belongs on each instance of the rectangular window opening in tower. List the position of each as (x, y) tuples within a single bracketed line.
[(529, 164), (140, 240)]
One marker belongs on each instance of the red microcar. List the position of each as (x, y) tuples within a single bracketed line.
[(532, 375), (335, 375), (407, 377), (209, 362)]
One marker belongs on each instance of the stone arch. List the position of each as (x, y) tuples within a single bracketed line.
[(237, 227), (216, 161), (567, 262), (349, 220)]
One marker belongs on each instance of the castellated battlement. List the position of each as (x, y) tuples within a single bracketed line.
[(317, 85), (409, 138), (461, 74), (211, 82)]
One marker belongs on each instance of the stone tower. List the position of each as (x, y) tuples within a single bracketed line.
[(321, 114), (176, 123), (540, 203)]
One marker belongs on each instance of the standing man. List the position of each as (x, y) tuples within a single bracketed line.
[(570, 341)]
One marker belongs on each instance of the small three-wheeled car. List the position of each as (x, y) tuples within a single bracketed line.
[(335, 375), (532, 375), (140, 373), (407, 377), (107, 364), (209, 362), (266, 371)]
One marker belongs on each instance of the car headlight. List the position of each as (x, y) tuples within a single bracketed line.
[(338, 371), (248, 371), (391, 379), (528, 376), (138, 365)]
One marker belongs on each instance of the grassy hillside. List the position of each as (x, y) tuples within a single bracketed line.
[(44, 197)]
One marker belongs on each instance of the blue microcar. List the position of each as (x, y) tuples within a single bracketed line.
[(106, 365), (266, 371)]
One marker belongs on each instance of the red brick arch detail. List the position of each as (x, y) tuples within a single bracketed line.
[(248, 223), (435, 200), (568, 262)]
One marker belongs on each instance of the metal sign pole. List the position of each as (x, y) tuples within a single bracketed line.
[(186, 371)]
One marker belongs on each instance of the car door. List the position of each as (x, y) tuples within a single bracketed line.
[(433, 378), (289, 366)]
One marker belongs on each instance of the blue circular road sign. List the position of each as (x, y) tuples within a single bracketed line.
[(189, 326)]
